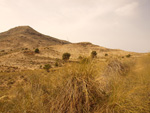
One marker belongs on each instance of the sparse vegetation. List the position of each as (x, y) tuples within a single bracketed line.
[(66, 56), (40, 66), (85, 60), (2, 50), (106, 54), (80, 57), (93, 54), (79, 88), (56, 64), (37, 50), (47, 67), (128, 56), (87, 84)]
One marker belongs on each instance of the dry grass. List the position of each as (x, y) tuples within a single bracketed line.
[(114, 87), (130, 93), (79, 92)]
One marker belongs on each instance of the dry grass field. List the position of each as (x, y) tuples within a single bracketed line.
[(115, 81), (89, 86)]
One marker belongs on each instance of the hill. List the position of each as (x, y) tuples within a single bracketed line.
[(115, 81), (26, 37), (27, 59), (18, 45), (83, 49)]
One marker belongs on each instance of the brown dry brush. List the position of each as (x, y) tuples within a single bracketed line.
[(112, 77), (77, 88), (126, 94), (117, 67), (80, 92)]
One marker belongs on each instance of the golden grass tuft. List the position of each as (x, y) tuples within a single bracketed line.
[(80, 92)]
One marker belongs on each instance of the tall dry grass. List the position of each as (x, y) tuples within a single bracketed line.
[(116, 86), (129, 93), (79, 91)]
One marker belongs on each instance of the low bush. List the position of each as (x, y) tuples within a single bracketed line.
[(47, 67), (93, 54), (128, 56), (56, 64), (37, 50), (66, 56), (106, 54)]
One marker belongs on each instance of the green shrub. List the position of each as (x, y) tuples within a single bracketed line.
[(128, 55), (47, 67), (106, 54), (80, 57), (93, 54), (40, 66), (66, 56), (37, 50), (56, 64)]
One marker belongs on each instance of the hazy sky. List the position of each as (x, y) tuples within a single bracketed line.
[(122, 24)]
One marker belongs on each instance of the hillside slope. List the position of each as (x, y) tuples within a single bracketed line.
[(83, 49), (26, 37), (17, 48), (28, 59)]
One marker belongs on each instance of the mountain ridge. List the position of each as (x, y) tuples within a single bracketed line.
[(26, 37), (18, 45)]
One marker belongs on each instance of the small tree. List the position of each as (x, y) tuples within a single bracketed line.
[(93, 54), (37, 50), (66, 56), (47, 67)]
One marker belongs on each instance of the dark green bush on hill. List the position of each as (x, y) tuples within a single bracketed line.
[(37, 50), (128, 55), (56, 64), (80, 57), (47, 67), (106, 54), (66, 56), (93, 54)]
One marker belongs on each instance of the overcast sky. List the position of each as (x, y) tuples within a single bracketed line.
[(119, 24)]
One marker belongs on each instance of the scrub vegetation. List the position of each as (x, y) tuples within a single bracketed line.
[(87, 86)]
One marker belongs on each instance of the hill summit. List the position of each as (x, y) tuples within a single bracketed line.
[(20, 30), (26, 37)]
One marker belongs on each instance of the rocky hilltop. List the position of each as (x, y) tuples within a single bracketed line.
[(26, 37)]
